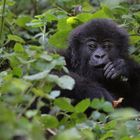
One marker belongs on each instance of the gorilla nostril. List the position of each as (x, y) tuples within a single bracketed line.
[(97, 56), (100, 56)]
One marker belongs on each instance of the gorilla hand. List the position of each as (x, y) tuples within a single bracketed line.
[(116, 69)]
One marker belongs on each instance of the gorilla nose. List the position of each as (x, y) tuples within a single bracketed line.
[(99, 56)]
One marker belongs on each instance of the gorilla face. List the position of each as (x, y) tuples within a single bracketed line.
[(96, 43), (99, 53)]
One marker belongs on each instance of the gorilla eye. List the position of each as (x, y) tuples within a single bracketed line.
[(91, 45), (107, 45)]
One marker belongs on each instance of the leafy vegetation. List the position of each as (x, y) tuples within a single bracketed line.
[(30, 33)]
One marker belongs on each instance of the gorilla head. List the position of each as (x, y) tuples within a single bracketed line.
[(97, 42)]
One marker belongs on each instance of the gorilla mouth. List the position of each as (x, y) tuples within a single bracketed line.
[(101, 66)]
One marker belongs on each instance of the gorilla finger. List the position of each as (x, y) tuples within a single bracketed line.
[(107, 65), (110, 73), (115, 75), (110, 68)]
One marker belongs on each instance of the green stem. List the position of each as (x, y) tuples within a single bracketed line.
[(2, 18)]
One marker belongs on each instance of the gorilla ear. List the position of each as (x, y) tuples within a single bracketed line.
[(74, 58), (74, 53)]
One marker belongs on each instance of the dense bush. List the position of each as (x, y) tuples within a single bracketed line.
[(29, 31)]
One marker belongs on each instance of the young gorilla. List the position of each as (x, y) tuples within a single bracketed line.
[(98, 60)]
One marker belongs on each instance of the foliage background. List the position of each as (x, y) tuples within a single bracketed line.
[(29, 31)]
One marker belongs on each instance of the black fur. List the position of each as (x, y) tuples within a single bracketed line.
[(94, 83)]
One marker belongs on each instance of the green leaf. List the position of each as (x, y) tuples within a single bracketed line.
[(112, 3), (82, 106), (54, 94), (96, 115), (107, 135), (66, 82), (18, 48), (63, 104), (134, 39), (35, 23), (100, 14), (69, 134), (84, 17), (49, 17), (10, 3), (107, 107), (37, 76), (46, 57), (49, 121), (22, 20), (15, 38), (31, 113), (63, 23), (38, 92), (124, 114), (59, 39), (96, 104), (17, 71), (111, 125), (52, 78), (15, 85)]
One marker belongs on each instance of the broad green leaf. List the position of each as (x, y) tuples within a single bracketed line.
[(59, 39), (107, 11), (15, 38), (46, 57), (10, 3), (100, 14), (82, 106), (49, 17), (112, 3), (35, 23), (22, 20), (96, 104), (63, 104), (18, 48), (31, 113), (49, 121), (52, 78), (15, 85), (38, 92), (37, 76), (107, 135), (54, 94), (107, 107), (134, 39), (63, 23), (84, 17), (111, 125), (17, 71), (96, 115), (69, 134), (124, 114), (66, 82)]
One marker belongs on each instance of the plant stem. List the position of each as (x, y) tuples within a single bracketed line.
[(2, 18)]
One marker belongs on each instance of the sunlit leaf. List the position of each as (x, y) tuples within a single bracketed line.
[(15, 38), (82, 106), (49, 121), (59, 39), (63, 104), (66, 82), (37, 76)]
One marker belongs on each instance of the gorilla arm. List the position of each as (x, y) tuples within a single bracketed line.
[(86, 89)]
